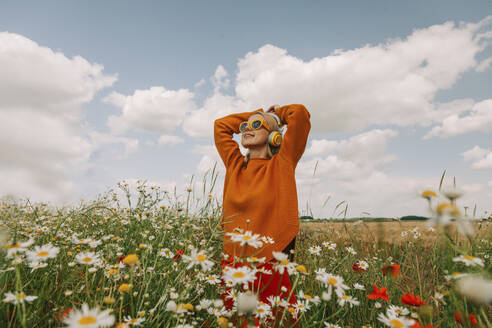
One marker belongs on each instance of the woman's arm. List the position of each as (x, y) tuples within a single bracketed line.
[(224, 128), (297, 119)]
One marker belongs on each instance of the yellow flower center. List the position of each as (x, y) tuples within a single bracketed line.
[(21, 296), (253, 258), (43, 254), (396, 323), (455, 273), (332, 281), (87, 320), (428, 194), (468, 257), (201, 257), (87, 259), (132, 321), (246, 237), (284, 262), (345, 297), (308, 297), (130, 259), (186, 306), (13, 246), (238, 274)]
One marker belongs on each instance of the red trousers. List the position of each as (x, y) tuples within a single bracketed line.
[(266, 285)]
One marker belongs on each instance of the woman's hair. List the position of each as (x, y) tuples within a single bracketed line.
[(271, 150)]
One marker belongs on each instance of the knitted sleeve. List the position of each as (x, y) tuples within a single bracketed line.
[(297, 119), (224, 128)]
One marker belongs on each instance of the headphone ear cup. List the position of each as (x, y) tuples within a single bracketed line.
[(275, 139)]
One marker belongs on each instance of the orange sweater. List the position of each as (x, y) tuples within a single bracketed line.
[(265, 190)]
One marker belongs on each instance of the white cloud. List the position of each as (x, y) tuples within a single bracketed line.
[(152, 110), (484, 65), (479, 118), (200, 122), (220, 80), (199, 83), (482, 158), (210, 157), (473, 187), (346, 159), (42, 138), (168, 140), (102, 139), (392, 83)]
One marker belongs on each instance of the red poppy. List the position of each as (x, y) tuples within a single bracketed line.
[(410, 299), (63, 315), (178, 254), (378, 293), (121, 258), (357, 268), (471, 317), (393, 269), (417, 325)]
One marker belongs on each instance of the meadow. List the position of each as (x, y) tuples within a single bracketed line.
[(154, 262)]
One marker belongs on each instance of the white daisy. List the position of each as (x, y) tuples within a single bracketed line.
[(263, 310), (284, 263), (13, 248), (89, 318), (469, 260), (239, 276), (41, 253), (395, 321), (359, 286), (397, 311), (309, 298), (198, 258), (344, 298), (331, 325), (133, 321), (362, 265), (329, 245), (267, 240), (351, 250), (246, 239), (87, 258), (330, 281), (166, 252), (315, 250), (18, 298), (212, 279), (37, 265)]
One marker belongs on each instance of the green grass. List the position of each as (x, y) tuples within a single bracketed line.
[(157, 221)]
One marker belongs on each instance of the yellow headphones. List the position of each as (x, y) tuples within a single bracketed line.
[(275, 137)]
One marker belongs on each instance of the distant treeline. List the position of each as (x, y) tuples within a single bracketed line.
[(366, 219)]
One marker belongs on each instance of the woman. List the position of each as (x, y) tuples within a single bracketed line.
[(260, 189)]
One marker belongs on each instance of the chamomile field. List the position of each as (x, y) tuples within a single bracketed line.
[(155, 262)]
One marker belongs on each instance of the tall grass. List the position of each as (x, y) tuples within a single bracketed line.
[(158, 220)]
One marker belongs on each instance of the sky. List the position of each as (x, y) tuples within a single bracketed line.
[(95, 93)]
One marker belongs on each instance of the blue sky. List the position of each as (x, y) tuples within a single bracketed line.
[(174, 45)]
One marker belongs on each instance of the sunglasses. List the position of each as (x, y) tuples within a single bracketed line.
[(254, 125)]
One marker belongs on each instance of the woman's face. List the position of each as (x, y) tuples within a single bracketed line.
[(254, 138)]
